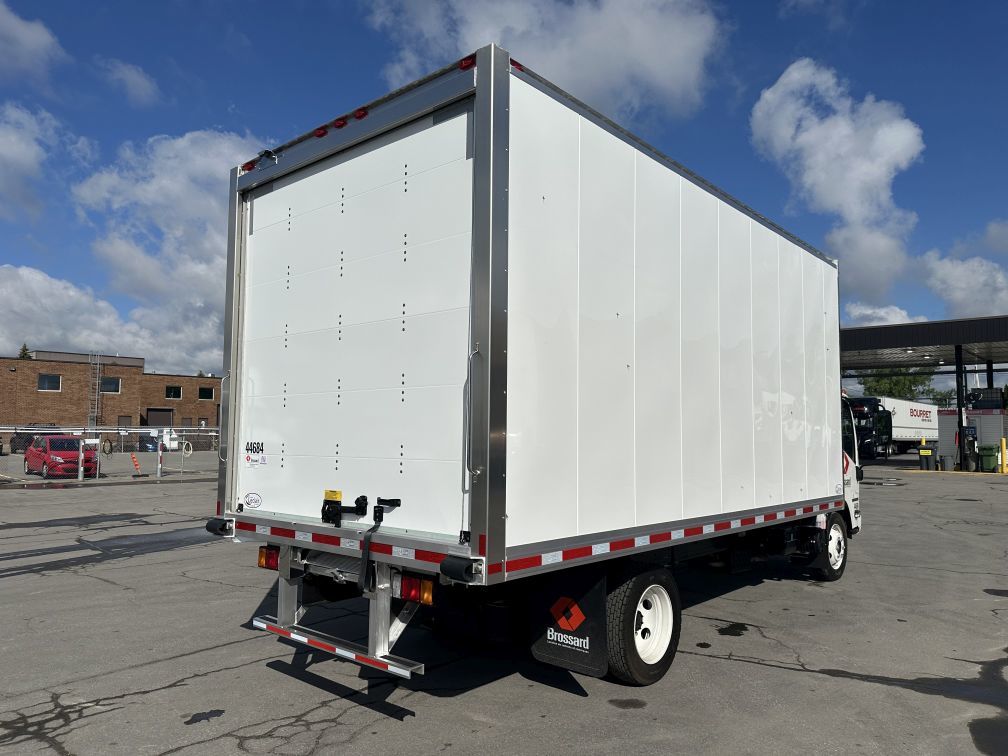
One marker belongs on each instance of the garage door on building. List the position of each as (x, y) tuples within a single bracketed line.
[(161, 418)]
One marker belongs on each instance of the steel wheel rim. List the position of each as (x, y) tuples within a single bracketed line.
[(653, 624), (835, 547)]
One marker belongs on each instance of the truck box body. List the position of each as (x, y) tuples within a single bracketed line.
[(548, 341)]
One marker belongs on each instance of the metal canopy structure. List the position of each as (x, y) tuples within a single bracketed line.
[(933, 344), (930, 344)]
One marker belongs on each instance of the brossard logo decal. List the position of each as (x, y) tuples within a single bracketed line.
[(568, 616), (253, 500)]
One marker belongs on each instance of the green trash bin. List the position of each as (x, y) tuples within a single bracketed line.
[(988, 457)]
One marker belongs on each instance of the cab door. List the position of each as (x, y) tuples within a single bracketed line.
[(852, 471)]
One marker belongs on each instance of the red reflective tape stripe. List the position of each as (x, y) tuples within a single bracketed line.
[(282, 532), (323, 538), (789, 513), (837, 503), (494, 567), (429, 556), (747, 521), (769, 517), (688, 532), (523, 563), (370, 662), (278, 630), (381, 548), (577, 552), (239, 525), (319, 644), (626, 543), (718, 526), (809, 510), (482, 544), (660, 537), (824, 506)]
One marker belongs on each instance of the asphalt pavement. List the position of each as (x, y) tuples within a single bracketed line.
[(124, 629)]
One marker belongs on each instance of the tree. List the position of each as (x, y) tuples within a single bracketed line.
[(24, 354), (898, 383), (200, 374)]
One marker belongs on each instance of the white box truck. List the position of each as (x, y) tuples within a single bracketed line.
[(889, 426), (483, 342)]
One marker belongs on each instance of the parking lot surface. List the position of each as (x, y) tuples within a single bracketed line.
[(124, 628)]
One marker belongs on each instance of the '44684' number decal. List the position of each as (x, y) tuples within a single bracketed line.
[(253, 447)]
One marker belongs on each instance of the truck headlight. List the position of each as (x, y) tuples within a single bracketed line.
[(57, 459)]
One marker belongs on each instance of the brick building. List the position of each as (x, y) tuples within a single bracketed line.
[(62, 387)]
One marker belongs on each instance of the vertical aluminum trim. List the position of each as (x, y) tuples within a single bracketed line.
[(489, 304), (228, 390)]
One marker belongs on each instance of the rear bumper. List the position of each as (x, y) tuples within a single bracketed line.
[(415, 554), (344, 649)]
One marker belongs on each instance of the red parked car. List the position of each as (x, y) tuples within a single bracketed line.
[(57, 455)]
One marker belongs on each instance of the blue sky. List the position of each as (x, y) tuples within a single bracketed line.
[(874, 130)]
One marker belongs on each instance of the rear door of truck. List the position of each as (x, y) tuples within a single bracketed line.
[(353, 335)]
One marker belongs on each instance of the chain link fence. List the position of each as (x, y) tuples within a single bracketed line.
[(41, 453)]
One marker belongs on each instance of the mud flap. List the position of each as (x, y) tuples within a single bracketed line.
[(569, 622)]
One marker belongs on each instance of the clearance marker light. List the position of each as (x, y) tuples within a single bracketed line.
[(320, 132), (360, 113), (339, 123), (250, 165), (467, 62)]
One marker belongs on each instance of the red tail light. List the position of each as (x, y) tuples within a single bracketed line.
[(420, 590), (321, 131), (250, 165), (467, 62), (339, 123), (269, 557), (360, 113)]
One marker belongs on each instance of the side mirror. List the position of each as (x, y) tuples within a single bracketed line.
[(860, 473)]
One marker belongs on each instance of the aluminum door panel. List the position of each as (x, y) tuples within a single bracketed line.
[(658, 392), (364, 396), (736, 360), (766, 368), (606, 333), (701, 429)]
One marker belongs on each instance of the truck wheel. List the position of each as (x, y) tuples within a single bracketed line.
[(643, 616), (836, 549)]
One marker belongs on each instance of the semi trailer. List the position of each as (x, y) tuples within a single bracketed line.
[(887, 426), (483, 345)]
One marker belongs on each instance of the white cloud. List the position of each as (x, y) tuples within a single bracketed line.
[(870, 260), (622, 56), (49, 313), (971, 287), (140, 89), (29, 48), (161, 209), (996, 235), (861, 314), (841, 156), (25, 140)]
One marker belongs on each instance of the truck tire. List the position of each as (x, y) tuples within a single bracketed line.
[(644, 616), (836, 549)]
